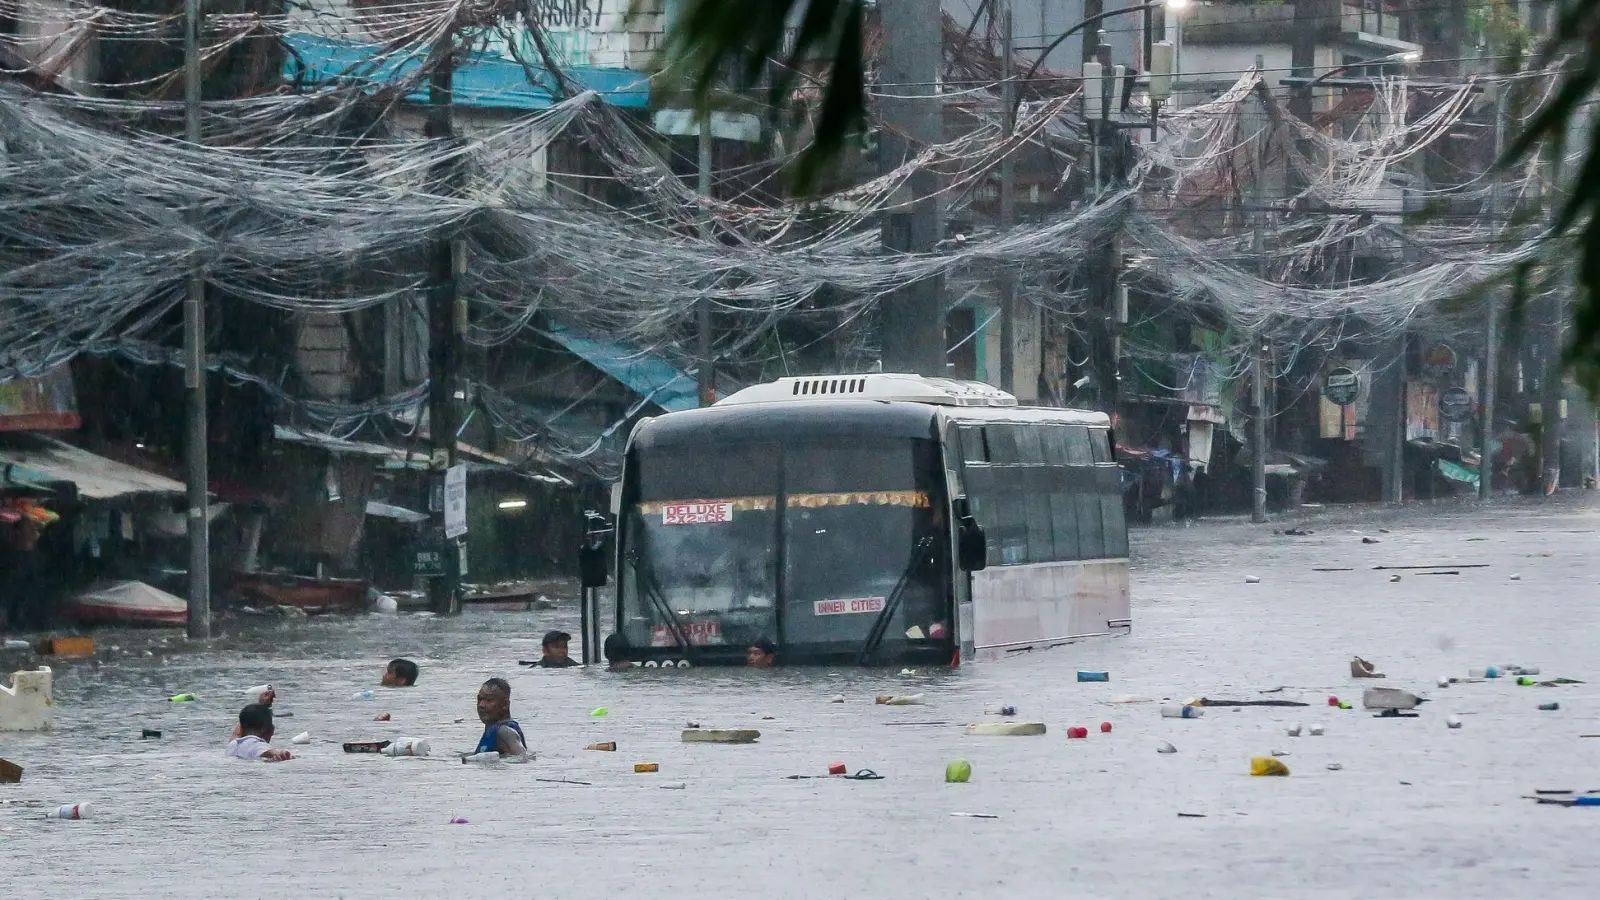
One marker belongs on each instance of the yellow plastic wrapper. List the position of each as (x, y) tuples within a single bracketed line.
[(1267, 765)]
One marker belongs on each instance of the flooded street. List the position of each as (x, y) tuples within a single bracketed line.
[(1416, 810)]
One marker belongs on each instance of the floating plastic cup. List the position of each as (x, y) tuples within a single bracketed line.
[(74, 811), (837, 768), (1452, 722), (303, 737)]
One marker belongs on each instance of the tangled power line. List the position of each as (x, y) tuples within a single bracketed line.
[(308, 198)]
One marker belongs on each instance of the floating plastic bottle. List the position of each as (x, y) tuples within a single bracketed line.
[(182, 698), (1002, 710), (364, 695), (1549, 707), (407, 747), (73, 811), (485, 757), (599, 712), (646, 767), (1181, 711), (1094, 676), (603, 745), (673, 786), (258, 690)]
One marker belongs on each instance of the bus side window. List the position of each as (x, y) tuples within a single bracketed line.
[(1091, 526), (1030, 447), (972, 447), (1116, 527), (1064, 524), (1101, 439), (1002, 443), (1041, 545), (1079, 451), (1055, 445)]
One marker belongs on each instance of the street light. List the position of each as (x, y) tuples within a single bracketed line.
[(1405, 56)]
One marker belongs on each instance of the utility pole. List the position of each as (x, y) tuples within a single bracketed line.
[(447, 324), (1258, 389), (1008, 186), (1491, 325), (707, 377), (194, 355), (913, 118)]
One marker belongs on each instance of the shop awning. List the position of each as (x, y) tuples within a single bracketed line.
[(646, 374), (39, 459), (398, 513)]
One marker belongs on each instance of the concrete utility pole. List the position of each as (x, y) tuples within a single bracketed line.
[(1491, 324), (1258, 462), (1008, 186), (913, 315), (194, 372), (447, 325), (702, 308)]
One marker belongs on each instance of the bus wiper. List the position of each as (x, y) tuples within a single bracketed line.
[(652, 591), (880, 625)]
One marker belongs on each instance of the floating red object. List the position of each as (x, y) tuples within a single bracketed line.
[(1105, 727), (1333, 701), (836, 768), (1077, 731)]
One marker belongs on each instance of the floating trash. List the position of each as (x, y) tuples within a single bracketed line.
[(1267, 765), (958, 771)]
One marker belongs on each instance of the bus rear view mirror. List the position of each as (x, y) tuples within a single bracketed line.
[(592, 566), (972, 546)]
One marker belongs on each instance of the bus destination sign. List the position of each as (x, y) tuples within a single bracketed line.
[(699, 634), (847, 607), (697, 513)]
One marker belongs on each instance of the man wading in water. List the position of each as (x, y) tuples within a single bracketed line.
[(500, 734)]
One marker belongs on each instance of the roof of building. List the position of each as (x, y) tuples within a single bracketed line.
[(39, 459)]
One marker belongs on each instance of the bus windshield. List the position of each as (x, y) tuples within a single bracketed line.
[(806, 544)]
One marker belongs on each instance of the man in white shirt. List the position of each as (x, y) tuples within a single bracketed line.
[(255, 736)]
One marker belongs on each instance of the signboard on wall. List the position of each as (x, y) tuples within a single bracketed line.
[(46, 403)]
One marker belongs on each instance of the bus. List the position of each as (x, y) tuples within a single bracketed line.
[(867, 519)]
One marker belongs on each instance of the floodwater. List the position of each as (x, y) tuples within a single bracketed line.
[(1417, 811)]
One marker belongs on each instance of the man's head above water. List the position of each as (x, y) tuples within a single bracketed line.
[(256, 720), (401, 673), (494, 701), (763, 654)]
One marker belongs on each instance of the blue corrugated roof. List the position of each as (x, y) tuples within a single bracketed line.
[(486, 80), (646, 374)]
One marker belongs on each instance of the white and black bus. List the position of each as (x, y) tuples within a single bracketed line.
[(870, 519)]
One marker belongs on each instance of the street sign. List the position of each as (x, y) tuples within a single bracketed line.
[(1341, 386), (1455, 405), (1438, 363), (428, 563), (455, 502)]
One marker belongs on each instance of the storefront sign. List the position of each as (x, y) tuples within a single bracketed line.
[(1341, 386), (47, 403), (1455, 405), (455, 502), (696, 513), (1438, 363), (847, 607), (699, 634)]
